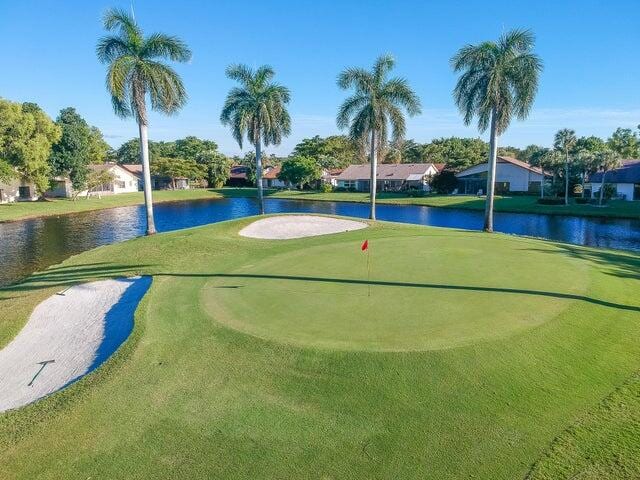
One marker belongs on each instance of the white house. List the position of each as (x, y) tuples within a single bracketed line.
[(390, 176), (512, 175), (17, 190), (270, 178), (124, 181), (625, 180)]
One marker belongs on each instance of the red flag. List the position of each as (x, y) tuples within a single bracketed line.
[(365, 245)]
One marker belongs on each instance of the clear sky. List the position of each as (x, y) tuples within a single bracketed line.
[(590, 48)]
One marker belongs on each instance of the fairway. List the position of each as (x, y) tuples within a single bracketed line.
[(461, 355)]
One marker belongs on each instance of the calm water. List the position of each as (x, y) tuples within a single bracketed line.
[(30, 245)]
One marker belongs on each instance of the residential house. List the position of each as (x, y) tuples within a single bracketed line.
[(17, 190), (625, 180), (123, 182), (158, 182), (330, 176), (390, 177), (238, 177), (270, 178), (512, 175)]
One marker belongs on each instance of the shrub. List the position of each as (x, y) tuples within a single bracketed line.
[(551, 201), (444, 182), (416, 193), (326, 188)]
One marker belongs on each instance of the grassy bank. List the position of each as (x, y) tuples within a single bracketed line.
[(516, 204), (269, 359), (62, 206)]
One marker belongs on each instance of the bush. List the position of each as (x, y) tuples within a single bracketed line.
[(416, 193), (583, 201), (326, 188), (444, 182), (551, 201)]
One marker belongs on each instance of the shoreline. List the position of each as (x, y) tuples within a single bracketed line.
[(246, 192)]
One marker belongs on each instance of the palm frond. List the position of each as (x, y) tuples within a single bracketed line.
[(165, 46)]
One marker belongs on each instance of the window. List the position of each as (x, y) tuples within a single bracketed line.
[(636, 191), (24, 192), (349, 184), (120, 184)]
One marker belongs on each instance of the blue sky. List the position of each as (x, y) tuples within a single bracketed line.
[(591, 81)]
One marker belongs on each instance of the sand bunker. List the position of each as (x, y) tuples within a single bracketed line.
[(67, 336), (298, 226)]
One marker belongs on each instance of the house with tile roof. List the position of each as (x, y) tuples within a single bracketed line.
[(512, 176), (391, 177)]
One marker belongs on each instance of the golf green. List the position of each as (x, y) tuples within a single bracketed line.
[(461, 355), (320, 296)]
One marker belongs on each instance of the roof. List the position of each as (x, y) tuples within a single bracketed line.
[(512, 161), (271, 172), (238, 171), (386, 171), (134, 168), (628, 173)]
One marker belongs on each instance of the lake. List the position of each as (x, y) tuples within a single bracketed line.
[(30, 245)]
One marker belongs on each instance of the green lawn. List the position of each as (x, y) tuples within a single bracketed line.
[(475, 356), (518, 204), (61, 206)]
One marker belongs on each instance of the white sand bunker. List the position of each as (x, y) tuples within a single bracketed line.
[(298, 226), (67, 336)]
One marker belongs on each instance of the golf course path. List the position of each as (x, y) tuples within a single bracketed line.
[(67, 336), (284, 227)]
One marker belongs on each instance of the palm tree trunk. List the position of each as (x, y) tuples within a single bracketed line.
[(602, 188), (491, 174), (259, 175), (146, 177), (374, 176), (566, 179)]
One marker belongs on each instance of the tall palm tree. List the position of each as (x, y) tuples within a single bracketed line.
[(136, 72), (499, 81), (256, 109), (374, 109), (607, 159), (565, 141)]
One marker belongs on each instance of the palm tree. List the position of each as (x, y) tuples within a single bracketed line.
[(374, 109), (257, 109), (607, 159), (565, 141), (135, 72), (499, 81)]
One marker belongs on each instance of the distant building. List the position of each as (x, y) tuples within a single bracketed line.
[(270, 178), (158, 182), (625, 180), (123, 182), (238, 177), (17, 190), (512, 175), (391, 177)]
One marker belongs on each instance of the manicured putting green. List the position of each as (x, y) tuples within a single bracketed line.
[(417, 298)]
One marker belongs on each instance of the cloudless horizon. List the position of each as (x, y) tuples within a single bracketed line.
[(589, 49)]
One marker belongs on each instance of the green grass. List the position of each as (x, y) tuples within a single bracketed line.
[(476, 356), (515, 204), (62, 206)]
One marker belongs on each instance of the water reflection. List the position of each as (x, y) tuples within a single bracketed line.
[(30, 245)]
